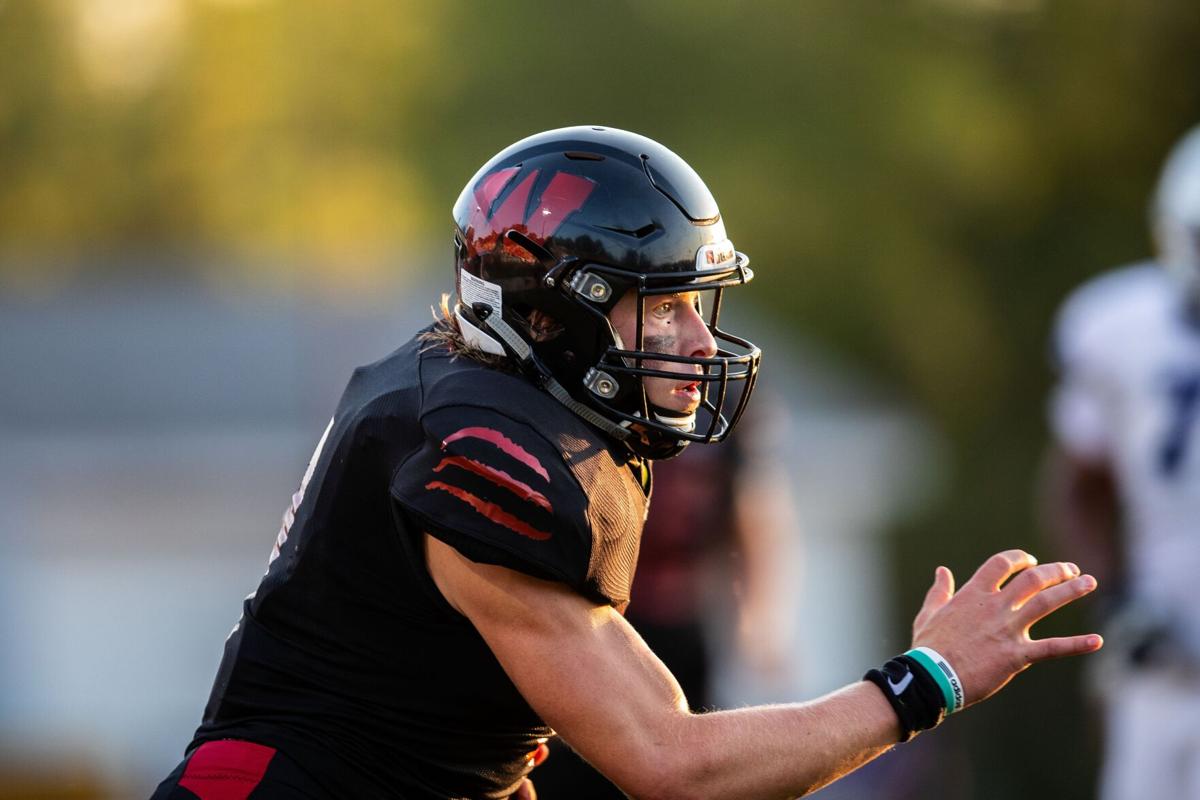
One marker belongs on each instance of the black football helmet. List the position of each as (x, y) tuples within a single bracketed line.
[(568, 221)]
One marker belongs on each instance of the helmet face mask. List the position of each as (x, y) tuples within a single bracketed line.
[(568, 222), (725, 379)]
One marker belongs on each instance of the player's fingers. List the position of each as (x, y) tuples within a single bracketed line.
[(947, 580), (525, 791), (1054, 598), (940, 592), (1035, 579), (942, 589), (1058, 647), (1000, 567)]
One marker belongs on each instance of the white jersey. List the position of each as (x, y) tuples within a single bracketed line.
[(1129, 395)]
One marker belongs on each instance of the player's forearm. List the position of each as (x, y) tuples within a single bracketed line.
[(773, 751), (591, 677), (617, 705)]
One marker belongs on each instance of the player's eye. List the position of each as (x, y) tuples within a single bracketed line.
[(663, 308)]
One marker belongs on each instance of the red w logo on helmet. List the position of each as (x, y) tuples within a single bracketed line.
[(563, 195)]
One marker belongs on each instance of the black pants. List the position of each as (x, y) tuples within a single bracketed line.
[(235, 770)]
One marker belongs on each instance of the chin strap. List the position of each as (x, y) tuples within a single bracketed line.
[(519, 348), (685, 423), (475, 337)]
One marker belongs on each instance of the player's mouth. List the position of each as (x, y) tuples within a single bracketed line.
[(689, 393)]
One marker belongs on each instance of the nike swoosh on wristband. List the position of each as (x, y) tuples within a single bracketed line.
[(898, 688)]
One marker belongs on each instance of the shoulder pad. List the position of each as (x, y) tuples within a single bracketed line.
[(1102, 311)]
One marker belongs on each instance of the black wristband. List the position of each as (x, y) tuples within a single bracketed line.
[(913, 693)]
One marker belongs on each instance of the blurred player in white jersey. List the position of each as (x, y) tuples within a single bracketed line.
[(1125, 486)]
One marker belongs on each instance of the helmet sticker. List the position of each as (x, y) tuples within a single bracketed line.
[(716, 255), (473, 289)]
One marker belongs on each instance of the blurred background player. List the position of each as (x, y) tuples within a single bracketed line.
[(1124, 487), (714, 552)]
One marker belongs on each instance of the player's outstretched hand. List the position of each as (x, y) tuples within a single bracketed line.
[(983, 628)]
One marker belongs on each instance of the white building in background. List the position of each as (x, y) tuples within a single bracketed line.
[(150, 439)]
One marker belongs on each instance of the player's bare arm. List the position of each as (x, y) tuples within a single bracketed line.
[(589, 675)]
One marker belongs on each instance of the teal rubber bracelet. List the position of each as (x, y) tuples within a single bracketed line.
[(942, 673)]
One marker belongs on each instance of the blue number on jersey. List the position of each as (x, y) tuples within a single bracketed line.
[(1184, 394)]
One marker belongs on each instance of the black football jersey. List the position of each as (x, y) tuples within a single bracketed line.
[(347, 657)]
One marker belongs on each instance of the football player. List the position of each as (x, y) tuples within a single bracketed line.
[(447, 588), (1125, 486)]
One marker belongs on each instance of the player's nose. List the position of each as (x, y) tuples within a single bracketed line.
[(700, 339)]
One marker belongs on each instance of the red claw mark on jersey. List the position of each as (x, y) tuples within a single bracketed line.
[(491, 511), (498, 477), (564, 195), (501, 441)]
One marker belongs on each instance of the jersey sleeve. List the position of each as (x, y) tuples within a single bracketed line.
[(1082, 405), (498, 492)]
